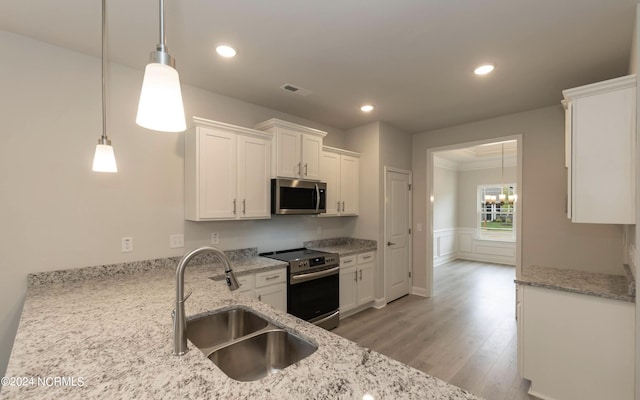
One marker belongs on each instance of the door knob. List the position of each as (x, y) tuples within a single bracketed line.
[(390, 243)]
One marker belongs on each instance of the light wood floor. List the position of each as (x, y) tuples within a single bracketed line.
[(465, 334)]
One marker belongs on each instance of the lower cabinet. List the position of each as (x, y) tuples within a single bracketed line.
[(575, 346), (269, 287), (356, 282)]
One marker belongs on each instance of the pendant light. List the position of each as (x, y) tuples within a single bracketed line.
[(160, 107), (104, 160)]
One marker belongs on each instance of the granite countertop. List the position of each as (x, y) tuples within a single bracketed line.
[(342, 246), (617, 287), (110, 335)]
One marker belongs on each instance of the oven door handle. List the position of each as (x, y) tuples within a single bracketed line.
[(314, 275)]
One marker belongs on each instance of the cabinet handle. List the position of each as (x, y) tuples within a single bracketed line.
[(356, 273), (338, 205), (244, 206), (259, 297), (360, 274), (268, 278), (347, 261), (389, 244), (234, 206), (343, 206), (367, 257), (300, 169), (305, 169)]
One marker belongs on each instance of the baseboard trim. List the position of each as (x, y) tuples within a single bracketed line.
[(418, 291), (379, 303)]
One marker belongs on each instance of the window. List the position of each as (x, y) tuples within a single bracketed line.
[(496, 211)]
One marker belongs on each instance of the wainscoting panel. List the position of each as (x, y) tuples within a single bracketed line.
[(462, 243)]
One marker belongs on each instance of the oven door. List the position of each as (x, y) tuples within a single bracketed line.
[(315, 297)]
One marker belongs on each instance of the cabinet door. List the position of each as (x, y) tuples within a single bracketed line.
[(288, 154), (217, 179), (274, 295), (330, 173), (348, 288), (311, 152), (603, 159), (350, 185), (254, 156), (365, 283)]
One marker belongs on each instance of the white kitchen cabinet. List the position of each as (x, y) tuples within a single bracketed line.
[(341, 171), (226, 172), (575, 346), (269, 287), (297, 150), (356, 283), (600, 125)]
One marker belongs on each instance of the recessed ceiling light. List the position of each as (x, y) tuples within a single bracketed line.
[(483, 69), (367, 108), (226, 51)]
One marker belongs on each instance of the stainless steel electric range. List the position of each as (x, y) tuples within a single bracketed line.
[(313, 285)]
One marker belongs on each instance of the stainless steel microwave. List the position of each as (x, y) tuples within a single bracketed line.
[(298, 197)]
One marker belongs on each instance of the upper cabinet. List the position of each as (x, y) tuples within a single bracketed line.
[(297, 150), (600, 154), (226, 172), (340, 169)]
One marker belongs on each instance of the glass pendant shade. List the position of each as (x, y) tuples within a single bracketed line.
[(160, 107), (104, 160)]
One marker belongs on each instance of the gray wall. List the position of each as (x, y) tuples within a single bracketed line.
[(445, 198), (57, 213), (548, 238)]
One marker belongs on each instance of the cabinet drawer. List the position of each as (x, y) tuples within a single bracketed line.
[(246, 283), (271, 277), (347, 261), (365, 257)]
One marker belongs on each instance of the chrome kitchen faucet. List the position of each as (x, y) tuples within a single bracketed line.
[(179, 318)]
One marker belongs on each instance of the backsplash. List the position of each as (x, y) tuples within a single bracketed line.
[(128, 268)]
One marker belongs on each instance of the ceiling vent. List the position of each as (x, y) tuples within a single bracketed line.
[(295, 89)]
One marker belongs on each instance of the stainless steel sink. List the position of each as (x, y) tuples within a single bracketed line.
[(261, 355), (246, 346), (211, 331)]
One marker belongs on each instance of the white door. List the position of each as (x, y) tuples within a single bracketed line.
[(349, 185), (217, 158), (254, 196), (311, 152), (397, 257), (288, 154), (330, 173)]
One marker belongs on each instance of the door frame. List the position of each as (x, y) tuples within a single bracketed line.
[(409, 173), (430, 178)]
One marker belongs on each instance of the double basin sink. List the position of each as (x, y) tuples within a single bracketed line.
[(246, 346)]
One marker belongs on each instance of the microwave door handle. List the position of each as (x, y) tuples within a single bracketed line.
[(317, 199)]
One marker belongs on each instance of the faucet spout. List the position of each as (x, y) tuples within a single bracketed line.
[(180, 321)]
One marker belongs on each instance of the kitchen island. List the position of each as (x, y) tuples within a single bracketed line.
[(107, 332)]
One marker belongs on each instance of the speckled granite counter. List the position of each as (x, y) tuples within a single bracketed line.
[(615, 287), (343, 246), (113, 332)]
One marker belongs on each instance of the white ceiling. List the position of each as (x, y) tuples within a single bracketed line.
[(490, 155), (412, 59)]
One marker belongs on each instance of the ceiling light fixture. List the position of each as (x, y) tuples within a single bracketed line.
[(367, 108), (161, 107), (484, 69), (103, 159), (226, 51)]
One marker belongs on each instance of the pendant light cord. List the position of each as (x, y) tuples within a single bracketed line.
[(104, 102), (161, 40)]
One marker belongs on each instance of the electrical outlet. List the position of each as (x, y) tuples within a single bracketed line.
[(176, 241), (127, 244), (215, 238)]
